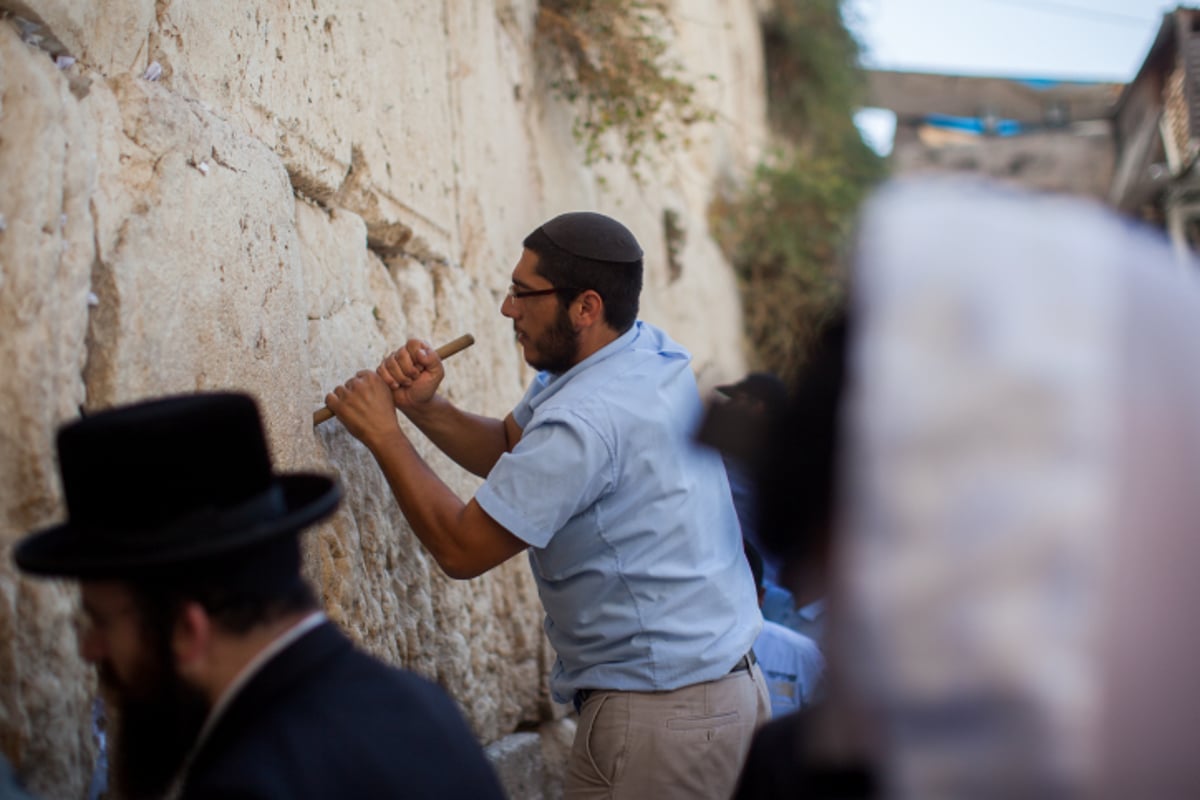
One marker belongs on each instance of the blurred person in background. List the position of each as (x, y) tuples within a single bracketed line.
[(1004, 454), (795, 476), (737, 427), (791, 662)]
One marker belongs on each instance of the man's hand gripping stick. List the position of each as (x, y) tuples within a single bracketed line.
[(445, 351)]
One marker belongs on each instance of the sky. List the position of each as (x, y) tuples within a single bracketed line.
[(1102, 40)]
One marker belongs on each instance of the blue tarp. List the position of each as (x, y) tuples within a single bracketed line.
[(1002, 127)]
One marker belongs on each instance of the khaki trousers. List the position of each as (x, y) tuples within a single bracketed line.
[(687, 743)]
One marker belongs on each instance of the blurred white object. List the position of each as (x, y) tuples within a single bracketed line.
[(1014, 359), (153, 71)]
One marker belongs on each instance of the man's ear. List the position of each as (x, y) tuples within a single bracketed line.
[(590, 309), (192, 638)]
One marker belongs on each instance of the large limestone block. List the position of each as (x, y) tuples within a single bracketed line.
[(719, 45), (197, 275), (352, 95), (519, 764), (531, 765), (495, 84), (45, 260), (110, 37)]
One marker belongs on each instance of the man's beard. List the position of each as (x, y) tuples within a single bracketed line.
[(158, 720), (558, 346)]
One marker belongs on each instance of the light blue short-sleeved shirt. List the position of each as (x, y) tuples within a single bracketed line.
[(792, 665), (635, 545)]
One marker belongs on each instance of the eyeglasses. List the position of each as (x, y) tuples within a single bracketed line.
[(519, 294)]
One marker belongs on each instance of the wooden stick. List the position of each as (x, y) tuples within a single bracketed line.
[(445, 351)]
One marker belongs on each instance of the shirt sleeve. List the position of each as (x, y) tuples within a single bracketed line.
[(559, 468)]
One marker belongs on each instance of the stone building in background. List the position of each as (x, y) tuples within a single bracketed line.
[(1133, 146), (1048, 135), (267, 198), (1157, 124)]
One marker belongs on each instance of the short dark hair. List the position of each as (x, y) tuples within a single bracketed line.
[(618, 284), (234, 609), (255, 586)]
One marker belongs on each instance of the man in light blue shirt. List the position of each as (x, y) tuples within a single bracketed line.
[(791, 662), (630, 528)]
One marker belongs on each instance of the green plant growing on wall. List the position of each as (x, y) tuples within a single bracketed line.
[(813, 79), (785, 233), (610, 58), (786, 228)]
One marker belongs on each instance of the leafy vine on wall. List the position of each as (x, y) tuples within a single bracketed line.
[(785, 230), (611, 59)]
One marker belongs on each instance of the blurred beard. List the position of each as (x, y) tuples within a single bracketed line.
[(157, 721), (558, 346)]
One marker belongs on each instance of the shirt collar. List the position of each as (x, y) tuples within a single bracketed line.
[(551, 383)]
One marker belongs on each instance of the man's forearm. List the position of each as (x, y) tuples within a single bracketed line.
[(430, 507), (463, 540), (473, 441)]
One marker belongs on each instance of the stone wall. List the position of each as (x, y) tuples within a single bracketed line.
[(269, 196)]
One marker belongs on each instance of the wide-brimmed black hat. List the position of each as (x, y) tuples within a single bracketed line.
[(168, 483)]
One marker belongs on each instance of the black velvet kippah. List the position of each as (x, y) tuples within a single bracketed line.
[(590, 235)]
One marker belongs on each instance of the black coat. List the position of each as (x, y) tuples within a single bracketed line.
[(324, 720), (778, 767)]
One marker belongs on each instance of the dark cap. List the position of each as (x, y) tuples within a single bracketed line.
[(762, 386), (590, 235)]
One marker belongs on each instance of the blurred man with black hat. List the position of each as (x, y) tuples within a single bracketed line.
[(740, 429), (227, 679), (629, 523)]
